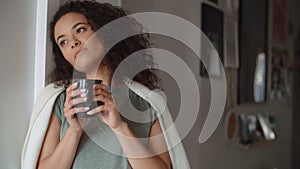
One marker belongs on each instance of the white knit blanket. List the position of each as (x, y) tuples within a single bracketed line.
[(43, 108)]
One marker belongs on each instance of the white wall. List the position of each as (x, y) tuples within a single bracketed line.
[(17, 44)]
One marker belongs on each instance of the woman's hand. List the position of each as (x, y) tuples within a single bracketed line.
[(72, 98), (108, 111)]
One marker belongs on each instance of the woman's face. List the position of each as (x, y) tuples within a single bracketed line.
[(73, 35)]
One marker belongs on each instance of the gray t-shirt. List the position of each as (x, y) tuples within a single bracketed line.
[(90, 152)]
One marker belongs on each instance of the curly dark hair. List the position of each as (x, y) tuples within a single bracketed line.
[(98, 15)]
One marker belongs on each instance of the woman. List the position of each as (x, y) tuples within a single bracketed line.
[(77, 49)]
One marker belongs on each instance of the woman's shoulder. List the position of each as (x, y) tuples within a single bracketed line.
[(61, 98), (138, 102), (54, 90)]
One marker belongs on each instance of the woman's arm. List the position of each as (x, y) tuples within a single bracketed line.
[(58, 154)]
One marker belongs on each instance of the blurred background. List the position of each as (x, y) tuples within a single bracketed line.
[(254, 132)]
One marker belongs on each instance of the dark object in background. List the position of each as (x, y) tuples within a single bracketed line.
[(253, 31), (212, 26)]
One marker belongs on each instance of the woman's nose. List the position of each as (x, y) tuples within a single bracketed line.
[(76, 43)]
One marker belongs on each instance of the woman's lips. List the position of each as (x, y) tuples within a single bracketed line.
[(79, 52)]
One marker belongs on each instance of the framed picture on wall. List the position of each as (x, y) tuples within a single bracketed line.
[(212, 27)]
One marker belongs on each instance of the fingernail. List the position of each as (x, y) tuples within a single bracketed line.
[(82, 90), (86, 108), (85, 99), (83, 95), (89, 113), (74, 84)]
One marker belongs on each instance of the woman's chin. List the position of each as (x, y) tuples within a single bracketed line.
[(87, 68)]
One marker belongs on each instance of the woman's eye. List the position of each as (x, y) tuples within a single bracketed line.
[(63, 43), (80, 30)]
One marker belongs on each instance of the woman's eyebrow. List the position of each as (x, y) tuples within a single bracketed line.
[(73, 27), (60, 36)]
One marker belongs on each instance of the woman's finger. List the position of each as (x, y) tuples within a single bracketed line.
[(71, 88), (100, 86), (100, 91), (69, 113), (78, 100), (96, 110), (72, 92), (103, 98), (70, 103), (80, 110), (78, 92)]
